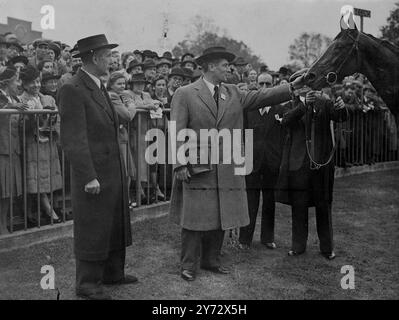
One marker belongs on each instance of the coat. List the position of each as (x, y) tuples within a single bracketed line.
[(216, 199), (295, 165), (90, 139)]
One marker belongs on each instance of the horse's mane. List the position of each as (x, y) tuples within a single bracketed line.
[(387, 44)]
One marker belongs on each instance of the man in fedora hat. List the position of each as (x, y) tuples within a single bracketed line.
[(89, 137), (176, 79), (207, 200)]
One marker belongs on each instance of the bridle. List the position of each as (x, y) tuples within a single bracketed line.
[(332, 77)]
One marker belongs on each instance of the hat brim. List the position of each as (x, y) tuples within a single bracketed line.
[(130, 68), (215, 55), (107, 46), (56, 77)]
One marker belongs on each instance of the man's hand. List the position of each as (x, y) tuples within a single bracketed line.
[(310, 97), (93, 187), (339, 103), (18, 106), (183, 174)]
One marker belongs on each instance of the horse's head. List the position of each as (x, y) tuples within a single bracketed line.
[(341, 58)]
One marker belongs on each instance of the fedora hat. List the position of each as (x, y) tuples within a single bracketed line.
[(56, 48), (188, 60), (148, 63), (137, 78), (164, 61), (133, 64), (186, 56), (93, 43), (239, 61), (215, 53), (177, 72)]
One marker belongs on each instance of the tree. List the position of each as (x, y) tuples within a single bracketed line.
[(390, 32), (307, 48), (204, 34)]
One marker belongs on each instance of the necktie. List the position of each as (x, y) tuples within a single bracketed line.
[(216, 95)]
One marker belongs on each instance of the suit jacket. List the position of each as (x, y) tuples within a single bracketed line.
[(216, 199), (90, 139), (268, 134)]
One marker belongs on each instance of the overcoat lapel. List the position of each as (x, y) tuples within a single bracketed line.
[(206, 97), (97, 95), (222, 103)]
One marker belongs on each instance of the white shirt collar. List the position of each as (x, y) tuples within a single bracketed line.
[(96, 80), (210, 86)]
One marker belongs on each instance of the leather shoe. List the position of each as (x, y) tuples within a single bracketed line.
[(329, 256), (188, 275), (93, 295), (219, 270), (292, 253), (270, 245), (128, 279)]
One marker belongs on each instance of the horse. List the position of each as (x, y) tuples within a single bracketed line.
[(352, 52)]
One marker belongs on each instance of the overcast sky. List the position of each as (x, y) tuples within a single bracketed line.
[(268, 27)]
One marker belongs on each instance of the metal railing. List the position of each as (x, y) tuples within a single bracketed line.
[(365, 138)]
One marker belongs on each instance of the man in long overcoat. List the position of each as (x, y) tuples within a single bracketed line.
[(89, 137), (207, 203)]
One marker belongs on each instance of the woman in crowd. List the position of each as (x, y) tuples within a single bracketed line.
[(50, 84), (143, 101), (43, 172), (10, 162), (126, 112), (46, 66)]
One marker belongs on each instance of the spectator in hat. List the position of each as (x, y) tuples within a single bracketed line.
[(188, 63), (163, 67), (50, 179), (135, 67), (54, 51), (127, 57), (208, 199), (76, 63), (18, 62), (168, 56), (49, 85), (187, 56), (188, 76), (139, 56), (14, 50), (126, 111), (176, 79), (11, 37), (149, 69), (241, 67), (46, 66), (9, 100), (89, 137), (142, 100), (40, 48), (252, 78)]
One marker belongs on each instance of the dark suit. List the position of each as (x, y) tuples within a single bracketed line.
[(90, 139), (298, 185), (267, 150)]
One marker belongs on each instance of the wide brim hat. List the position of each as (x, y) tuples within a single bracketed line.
[(138, 78), (39, 42), (183, 63), (133, 64), (55, 47), (17, 59), (188, 73), (215, 53), (29, 73), (8, 73), (164, 61), (177, 72), (49, 76), (148, 63), (188, 54), (93, 43), (239, 61)]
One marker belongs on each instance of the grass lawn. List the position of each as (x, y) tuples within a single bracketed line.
[(366, 231)]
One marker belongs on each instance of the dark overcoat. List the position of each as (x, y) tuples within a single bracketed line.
[(296, 182), (90, 139), (216, 199)]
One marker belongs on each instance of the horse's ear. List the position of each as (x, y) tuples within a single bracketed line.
[(347, 18), (351, 20), (343, 24)]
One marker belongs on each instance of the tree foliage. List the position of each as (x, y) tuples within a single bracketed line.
[(390, 32), (307, 48), (203, 34)]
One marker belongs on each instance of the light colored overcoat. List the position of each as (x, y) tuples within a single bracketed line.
[(216, 199)]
